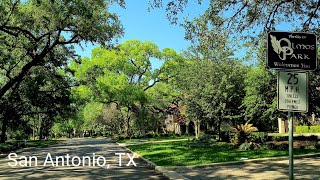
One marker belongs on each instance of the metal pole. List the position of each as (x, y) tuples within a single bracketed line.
[(291, 168)]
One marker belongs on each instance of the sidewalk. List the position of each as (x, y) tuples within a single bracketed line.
[(305, 168)]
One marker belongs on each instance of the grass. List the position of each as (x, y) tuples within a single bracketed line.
[(15, 145), (179, 154), (154, 139)]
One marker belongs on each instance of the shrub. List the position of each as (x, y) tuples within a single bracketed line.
[(308, 129), (206, 138), (280, 138), (246, 146), (150, 135), (317, 146), (258, 137), (306, 138), (270, 145), (4, 148), (241, 133), (282, 146), (278, 145), (314, 129), (225, 136), (302, 129)]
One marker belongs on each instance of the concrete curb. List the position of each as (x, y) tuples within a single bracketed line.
[(170, 174), (244, 161)]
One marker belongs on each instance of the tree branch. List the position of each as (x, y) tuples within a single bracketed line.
[(307, 22)]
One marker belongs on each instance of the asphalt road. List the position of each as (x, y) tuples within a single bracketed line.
[(88, 150)]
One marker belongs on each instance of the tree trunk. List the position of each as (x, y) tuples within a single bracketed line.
[(219, 129), (187, 128), (128, 125), (3, 130), (197, 129)]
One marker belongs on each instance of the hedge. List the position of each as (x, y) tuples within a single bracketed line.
[(308, 129)]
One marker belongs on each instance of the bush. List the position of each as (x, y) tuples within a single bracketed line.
[(314, 129), (258, 137), (4, 148), (280, 138), (306, 138), (246, 146), (277, 146), (308, 129), (241, 133), (206, 138), (317, 146), (18, 135), (225, 136), (302, 129)]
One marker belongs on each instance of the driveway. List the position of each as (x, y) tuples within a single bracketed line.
[(91, 149)]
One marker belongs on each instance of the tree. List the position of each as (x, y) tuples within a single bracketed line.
[(39, 99), (249, 18), (213, 91), (123, 75), (34, 33), (42, 34)]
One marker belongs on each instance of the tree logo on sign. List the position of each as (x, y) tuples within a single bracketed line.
[(286, 50)]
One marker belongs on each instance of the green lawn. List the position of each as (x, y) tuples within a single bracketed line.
[(179, 154), (154, 139)]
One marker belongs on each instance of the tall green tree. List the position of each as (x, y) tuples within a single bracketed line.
[(123, 75), (34, 33)]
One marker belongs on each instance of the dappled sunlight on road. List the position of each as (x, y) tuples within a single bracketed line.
[(83, 147)]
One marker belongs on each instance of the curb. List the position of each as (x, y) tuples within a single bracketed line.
[(170, 174), (249, 161)]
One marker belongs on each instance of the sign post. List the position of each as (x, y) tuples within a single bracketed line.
[(290, 52), (291, 166)]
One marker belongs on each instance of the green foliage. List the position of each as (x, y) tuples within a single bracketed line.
[(307, 129), (258, 137), (314, 129), (246, 146), (242, 132), (280, 138), (123, 76), (302, 129)]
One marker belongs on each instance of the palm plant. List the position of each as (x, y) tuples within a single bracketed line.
[(241, 133)]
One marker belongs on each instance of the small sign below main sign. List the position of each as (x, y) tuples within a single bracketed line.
[(293, 91), (292, 50)]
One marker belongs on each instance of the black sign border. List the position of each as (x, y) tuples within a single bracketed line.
[(301, 70)]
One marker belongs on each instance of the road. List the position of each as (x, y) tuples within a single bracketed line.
[(72, 149)]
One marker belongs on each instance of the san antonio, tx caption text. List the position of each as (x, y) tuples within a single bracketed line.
[(71, 161)]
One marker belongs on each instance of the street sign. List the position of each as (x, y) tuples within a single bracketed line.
[(293, 91), (292, 50)]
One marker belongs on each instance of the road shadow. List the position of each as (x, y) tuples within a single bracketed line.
[(79, 147)]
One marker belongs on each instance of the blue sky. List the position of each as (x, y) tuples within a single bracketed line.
[(153, 26)]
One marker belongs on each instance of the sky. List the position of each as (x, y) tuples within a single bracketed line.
[(153, 26)]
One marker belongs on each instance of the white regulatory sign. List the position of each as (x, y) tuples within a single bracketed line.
[(293, 91)]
